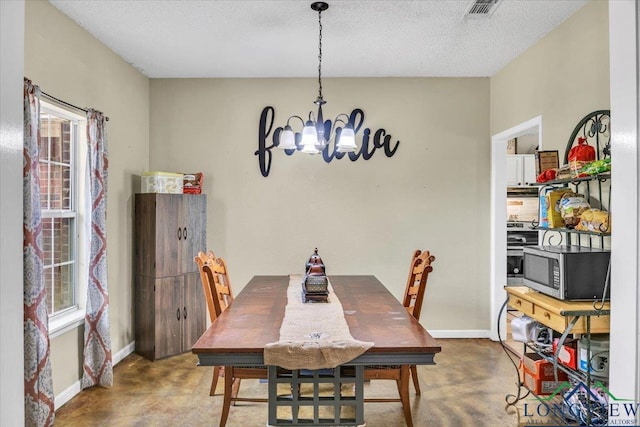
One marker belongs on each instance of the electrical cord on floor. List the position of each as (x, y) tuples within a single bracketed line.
[(511, 399)]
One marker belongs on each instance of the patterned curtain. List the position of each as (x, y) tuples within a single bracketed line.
[(38, 384), (98, 368)]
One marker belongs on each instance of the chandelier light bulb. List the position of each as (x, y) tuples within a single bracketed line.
[(309, 138), (347, 140), (287, 139)]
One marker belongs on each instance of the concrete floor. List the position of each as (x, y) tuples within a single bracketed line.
[(467, 387)]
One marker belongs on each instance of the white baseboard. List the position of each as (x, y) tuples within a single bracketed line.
[(127, 350), (76, 387), (67, 394), (472, 333)]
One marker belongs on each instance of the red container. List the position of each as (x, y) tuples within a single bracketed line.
[(539, 386), (193, 183), (538, 376), (568, 355)]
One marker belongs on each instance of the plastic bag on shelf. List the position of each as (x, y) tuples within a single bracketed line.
[(597, 167), (572, 205), (594, 220)]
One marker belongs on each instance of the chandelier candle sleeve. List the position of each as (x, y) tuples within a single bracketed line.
[(314, 131)]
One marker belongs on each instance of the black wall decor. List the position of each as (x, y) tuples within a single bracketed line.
[(368, 144)]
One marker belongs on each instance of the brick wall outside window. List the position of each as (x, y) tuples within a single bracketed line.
[(56, 200)]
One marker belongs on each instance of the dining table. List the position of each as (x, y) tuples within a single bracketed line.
[(242, 333)]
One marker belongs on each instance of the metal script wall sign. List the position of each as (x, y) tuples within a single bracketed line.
[(368, 146)]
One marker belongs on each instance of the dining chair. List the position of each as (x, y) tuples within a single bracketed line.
[(217, 280), (414, 293), (412, 301), (213, 307)]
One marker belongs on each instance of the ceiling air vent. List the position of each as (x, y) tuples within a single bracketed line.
[(481, 8)]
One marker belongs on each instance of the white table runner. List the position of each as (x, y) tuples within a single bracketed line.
[(313, 335)]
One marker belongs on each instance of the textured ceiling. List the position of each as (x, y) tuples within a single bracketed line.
[(264, 38)]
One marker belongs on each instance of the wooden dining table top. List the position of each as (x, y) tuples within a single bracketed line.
[(373, 314)]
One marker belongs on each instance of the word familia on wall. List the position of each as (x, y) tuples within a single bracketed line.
[(367, 147)]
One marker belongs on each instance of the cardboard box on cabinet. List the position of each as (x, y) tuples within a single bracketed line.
[(162, 182)]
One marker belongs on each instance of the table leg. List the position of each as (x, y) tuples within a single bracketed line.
[(327, 377)]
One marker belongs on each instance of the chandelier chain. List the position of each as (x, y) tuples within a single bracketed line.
[(320, 55), (317, 133)]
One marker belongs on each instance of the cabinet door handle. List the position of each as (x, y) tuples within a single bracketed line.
[(178, 314), (184, 233), (185, 313), (518, 303), (547, 315), (179, 233)]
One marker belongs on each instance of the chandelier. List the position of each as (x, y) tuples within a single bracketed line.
[(316, 134)]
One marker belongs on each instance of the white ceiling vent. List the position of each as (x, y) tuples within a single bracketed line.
[(481, 8)]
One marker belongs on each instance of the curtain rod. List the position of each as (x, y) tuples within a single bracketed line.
[(53, 98)]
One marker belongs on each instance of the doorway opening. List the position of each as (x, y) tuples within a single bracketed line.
[(499, 215)]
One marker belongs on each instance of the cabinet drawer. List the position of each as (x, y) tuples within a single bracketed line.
[(548, 318), (599, 325), (522, 305)]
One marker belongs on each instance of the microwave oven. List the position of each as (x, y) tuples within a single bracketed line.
[(566, 272)]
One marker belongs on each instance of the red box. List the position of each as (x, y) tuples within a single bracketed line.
[(538, 375), (568, 355), (537, 366), (539, 386)]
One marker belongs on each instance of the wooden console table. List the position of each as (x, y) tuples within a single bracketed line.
[(556, 314)]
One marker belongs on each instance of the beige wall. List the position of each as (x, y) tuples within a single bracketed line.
[(365, 217), (65, 61), (563, 77)]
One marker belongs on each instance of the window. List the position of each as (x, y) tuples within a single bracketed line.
[(62, 200)]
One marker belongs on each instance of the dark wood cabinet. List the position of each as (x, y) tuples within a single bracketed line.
[(170, 230)]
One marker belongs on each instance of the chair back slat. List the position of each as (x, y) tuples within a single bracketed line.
[(203, 259), (417, 282), (218, 274)]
